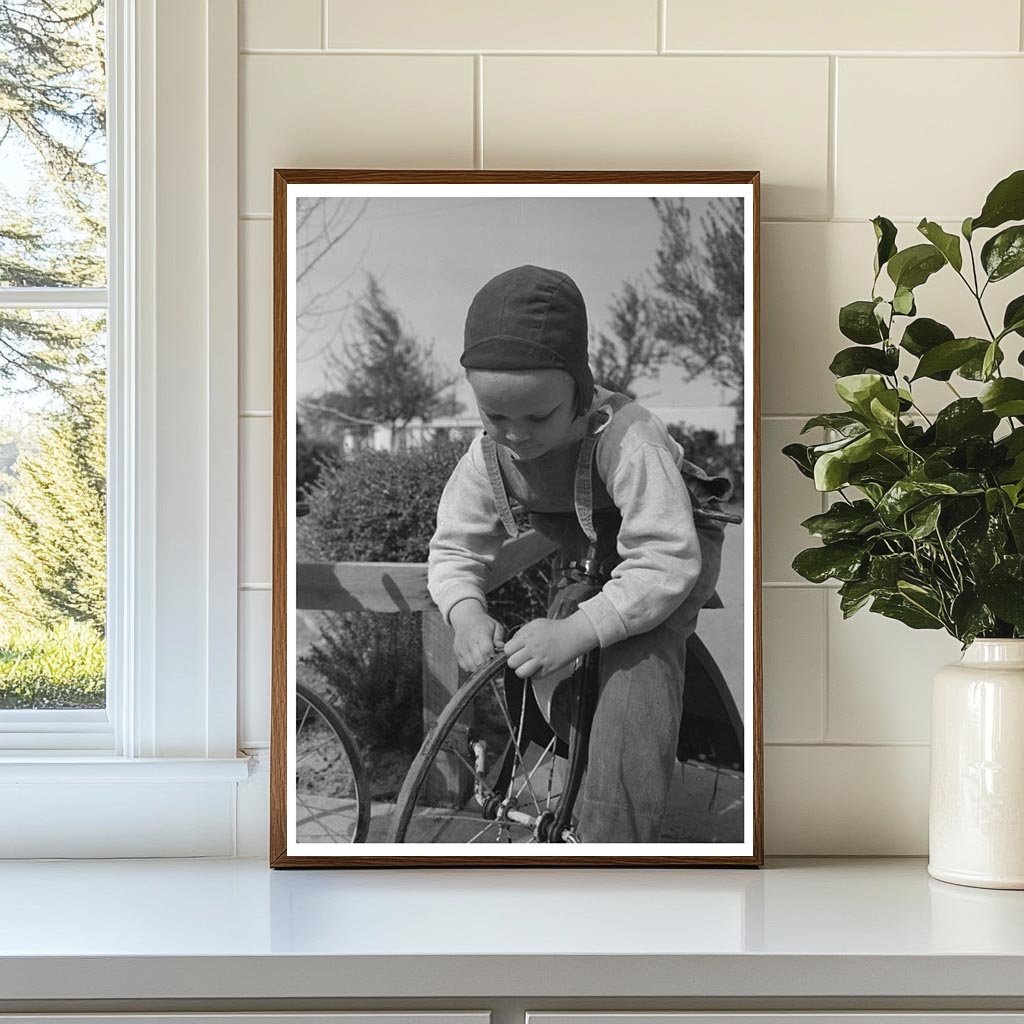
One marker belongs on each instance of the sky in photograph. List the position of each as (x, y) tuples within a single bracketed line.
[(431, 256)]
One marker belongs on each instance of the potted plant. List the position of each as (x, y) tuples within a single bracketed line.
[(927, 521)]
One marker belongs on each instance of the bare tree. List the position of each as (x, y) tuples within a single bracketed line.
[(699, 278), (321, 225), (633, 350)]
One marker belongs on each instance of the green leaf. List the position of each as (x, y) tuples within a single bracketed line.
[(885, 409), (840, 561), (970, 617), (1005, 202), (965, 229), (841, 421), (947, 244), (903, 302), (799, 455), (849, 361), (897, 607), (974, 368), (1013, 318), (906, 494), (857, 322), (1003, 254), (885, 236), (1004, 397), (858, 389), (991, 360), (966, 417), (923, 335), (925, 518), (885, 571), (912, 267), (1003, 596), (843, 521), (831, 471), (854, 594), (950, 355)]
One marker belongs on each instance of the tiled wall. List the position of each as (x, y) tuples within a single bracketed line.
[(906, 109)]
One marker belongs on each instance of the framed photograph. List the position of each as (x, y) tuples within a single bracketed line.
[(516, 554)]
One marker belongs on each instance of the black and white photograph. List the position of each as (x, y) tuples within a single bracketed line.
[(516, 566)]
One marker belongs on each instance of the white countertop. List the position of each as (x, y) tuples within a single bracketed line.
[(825, 927)]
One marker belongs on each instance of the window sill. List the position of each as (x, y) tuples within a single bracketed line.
[(79, 767)]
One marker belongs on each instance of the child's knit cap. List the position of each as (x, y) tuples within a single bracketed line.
[(530, 318)]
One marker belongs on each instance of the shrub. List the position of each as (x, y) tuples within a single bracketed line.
[(377, 506), (370, 665), (703, 447), (63, 666)]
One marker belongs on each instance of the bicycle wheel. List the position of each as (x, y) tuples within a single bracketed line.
[(332, 798), (488, 771)]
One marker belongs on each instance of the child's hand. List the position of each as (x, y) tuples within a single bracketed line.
[(546, 645), (477, 635)]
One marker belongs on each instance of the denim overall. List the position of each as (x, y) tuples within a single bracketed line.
[(640, 699)]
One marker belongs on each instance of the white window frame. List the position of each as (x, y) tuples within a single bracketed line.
[(168, 743)]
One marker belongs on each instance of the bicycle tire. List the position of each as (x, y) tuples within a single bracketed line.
[(434, 745), (336, 724)]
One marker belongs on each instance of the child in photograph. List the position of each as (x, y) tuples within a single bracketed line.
[(589, 465)]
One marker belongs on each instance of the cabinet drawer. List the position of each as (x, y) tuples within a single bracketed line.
[(852, 1017), (360, 1017)]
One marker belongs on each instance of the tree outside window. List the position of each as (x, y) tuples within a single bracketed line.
[(53, 389)]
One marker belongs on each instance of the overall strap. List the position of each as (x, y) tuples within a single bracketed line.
[(490, 450), (583, 488)]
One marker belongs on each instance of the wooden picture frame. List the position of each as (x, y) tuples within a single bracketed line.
[(440, 235)]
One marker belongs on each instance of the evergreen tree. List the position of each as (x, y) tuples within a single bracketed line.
[(386, 373), (52, 123), (53, 518)]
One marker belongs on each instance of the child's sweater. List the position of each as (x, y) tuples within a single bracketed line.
[(642, 467)]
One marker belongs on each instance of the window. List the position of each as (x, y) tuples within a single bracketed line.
[(155, 771), (53, 373)]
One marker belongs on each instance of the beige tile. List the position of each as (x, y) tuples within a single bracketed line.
[(255, 319), (870, 25), (787, 498), (254, 626), (809, 271), (470, 25), (255, 511), (962, 130), (822, 800), (357, 111), (682, 113), (794, 663), (880, 676), (270, 24)]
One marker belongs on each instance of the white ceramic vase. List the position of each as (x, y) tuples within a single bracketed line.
[(976, 813)]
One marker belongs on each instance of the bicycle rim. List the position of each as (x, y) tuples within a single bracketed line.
[(480, 776), (332, 796)]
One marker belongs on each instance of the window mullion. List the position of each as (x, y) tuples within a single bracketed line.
[(53, 298)]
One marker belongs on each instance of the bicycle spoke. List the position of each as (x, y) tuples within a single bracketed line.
[(446, 748), (486, 827), (518, 736), (540, 761), (315, 818), (328, 741), (551, 783)]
